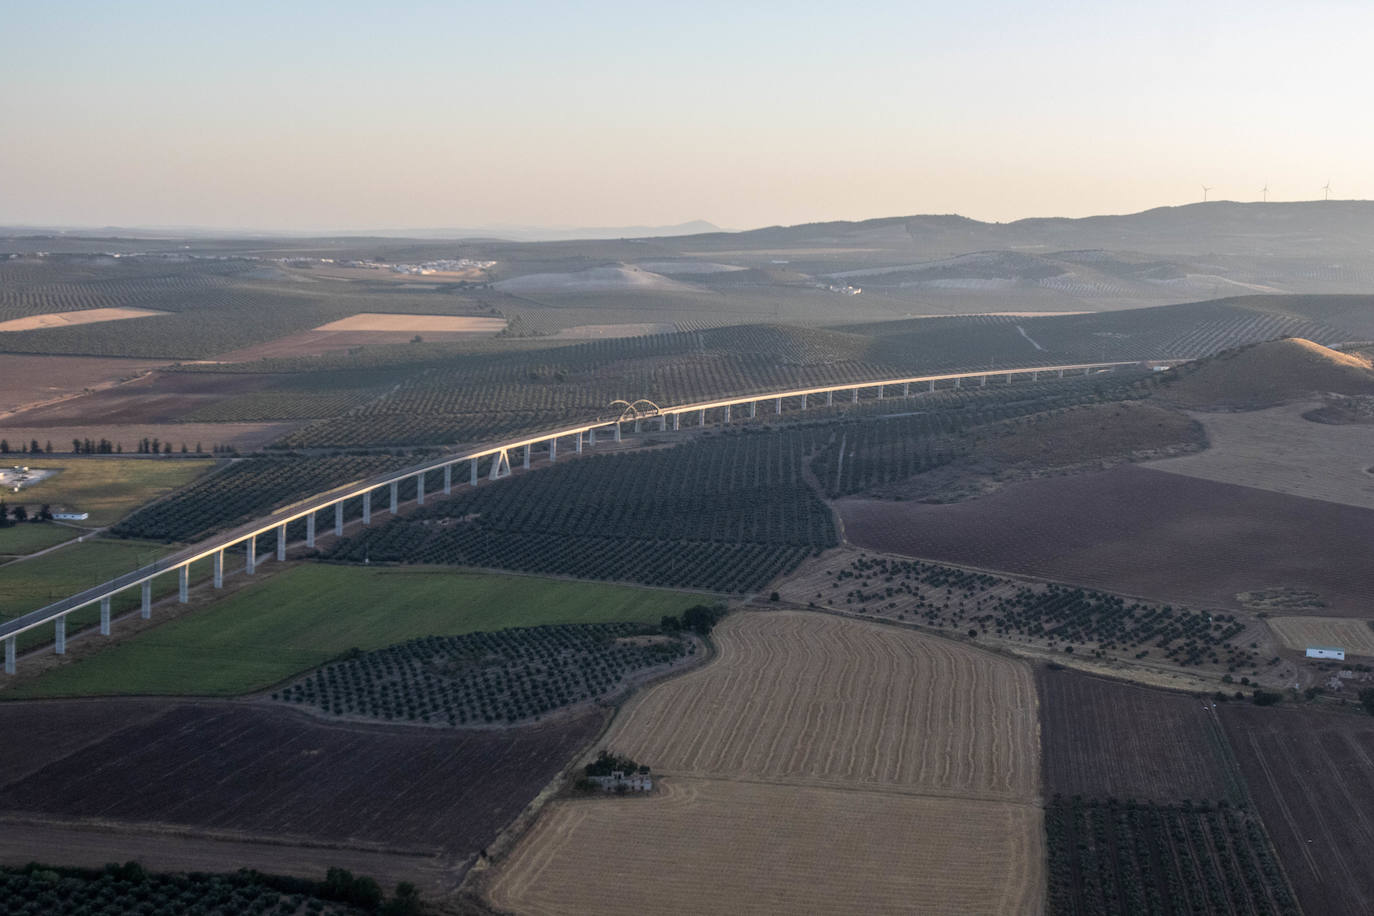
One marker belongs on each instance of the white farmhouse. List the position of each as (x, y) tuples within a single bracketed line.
[(1326, 652)]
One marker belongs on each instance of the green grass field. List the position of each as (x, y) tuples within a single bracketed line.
[(29, 537), (27, 585), (311, 613), (107, 488)]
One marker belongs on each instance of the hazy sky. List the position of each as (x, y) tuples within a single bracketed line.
[(352, 115)]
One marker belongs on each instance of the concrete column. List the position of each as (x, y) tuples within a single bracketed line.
[(932, 384), (105, 616), (367, 506), (983, 382), (9, 654), (677, 422), (395, 497), (472, 473), (806, 402), (60, 635), (663, 422), (591, 438), (217, 560), (338, 520), (881, 393), (579, 442), (701, 418), (830, 399), (528, 447), (617, 431), (958, 383), (637, 426), (1061, 373), (184, 584), (727, 413), (1008, 377), (553, 448), (310, 530), (1035, 376), (448, 479), (146, 612), (854, 398), (906, 389), (281, 543), (250, 554), (753, 409), (419, 489)]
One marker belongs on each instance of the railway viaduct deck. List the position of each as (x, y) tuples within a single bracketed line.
[(497, 458)]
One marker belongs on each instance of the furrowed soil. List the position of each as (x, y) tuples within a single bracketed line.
[(1311, 774), (84, 316), (818, 764), (372, 321), (1140, 532), (1105, 739), (1356, 637), (265, 776)]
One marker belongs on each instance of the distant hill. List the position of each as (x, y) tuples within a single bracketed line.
[(1268, 373)]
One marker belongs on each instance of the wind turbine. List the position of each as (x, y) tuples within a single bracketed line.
[(1205, 189), (1265, 190), (1326, 190)]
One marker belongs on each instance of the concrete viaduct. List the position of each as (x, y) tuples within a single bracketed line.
[(498, 460)]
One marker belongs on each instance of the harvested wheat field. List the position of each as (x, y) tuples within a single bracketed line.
[(820, 699), (819, 764), (718, 846), (377, 321), (1356, 637), (67, 319)]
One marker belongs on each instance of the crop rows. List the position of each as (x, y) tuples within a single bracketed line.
[(1136, 858), (128, 889), (726, 513), (481, 678), (248, 489), (882, 450), (1056, 615)]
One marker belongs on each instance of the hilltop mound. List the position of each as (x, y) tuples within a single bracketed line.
[(1267, 373)]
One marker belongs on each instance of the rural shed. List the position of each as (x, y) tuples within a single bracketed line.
[(1326, 652)]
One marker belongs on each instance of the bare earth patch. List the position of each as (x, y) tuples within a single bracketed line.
[(598, 331), (67, 319), (1354, 636), (818, 764), (1277, 449), (1140, 532), (29, 381), (377, 321)]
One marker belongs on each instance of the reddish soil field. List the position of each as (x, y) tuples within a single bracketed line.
[(1140, 532), (259, 773), (160, 397), (1311, 774), (30, 380), (1105, 739)]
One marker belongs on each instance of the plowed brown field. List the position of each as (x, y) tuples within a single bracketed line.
[(819, 764)]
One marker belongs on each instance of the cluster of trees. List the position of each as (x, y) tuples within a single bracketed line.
[(699, 618), (129, 888), (726, 513), (101, 446), (1060, 615), (485, 678), (10, 517)]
